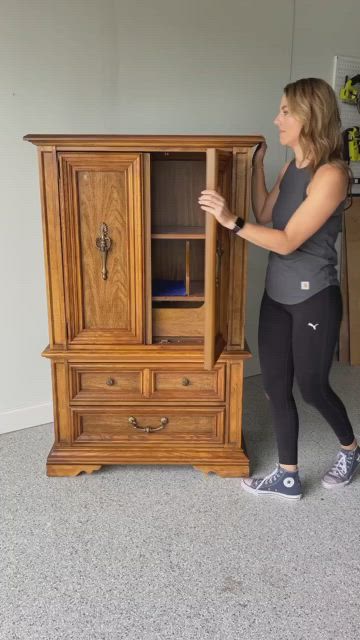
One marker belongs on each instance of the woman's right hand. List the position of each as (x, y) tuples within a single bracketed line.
[(259, 154)]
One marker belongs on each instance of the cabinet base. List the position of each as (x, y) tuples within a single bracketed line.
[(224, 470), (70, 461), (61, 470)]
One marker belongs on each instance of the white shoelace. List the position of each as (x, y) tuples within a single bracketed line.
[(340, 468), (275, 475)]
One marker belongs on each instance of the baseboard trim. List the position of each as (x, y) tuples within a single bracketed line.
[(26, 417)]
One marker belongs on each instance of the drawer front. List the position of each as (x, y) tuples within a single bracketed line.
[(99, 382), (105, 383), (187, 383), (159, 425)]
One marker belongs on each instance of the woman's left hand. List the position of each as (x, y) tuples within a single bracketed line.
[(212, 202)]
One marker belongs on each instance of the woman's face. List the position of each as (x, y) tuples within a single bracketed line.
[(289, 126)]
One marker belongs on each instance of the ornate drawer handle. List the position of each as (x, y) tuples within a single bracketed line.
[(185, 382), (110, 381), (134, 423), (103, 244)]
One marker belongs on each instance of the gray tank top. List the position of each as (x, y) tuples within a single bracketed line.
[(297, 276)]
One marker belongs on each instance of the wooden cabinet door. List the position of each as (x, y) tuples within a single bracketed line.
[(217, 247), (102, 233)]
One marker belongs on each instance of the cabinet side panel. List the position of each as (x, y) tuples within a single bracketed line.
[(238, 253), (147, 246), (235, 402), (52, 248), (62, 422)]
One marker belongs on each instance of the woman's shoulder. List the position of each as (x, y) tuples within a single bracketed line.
[(331, 173), (335, 169)]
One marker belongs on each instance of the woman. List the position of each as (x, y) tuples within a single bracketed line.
[(301, 308)]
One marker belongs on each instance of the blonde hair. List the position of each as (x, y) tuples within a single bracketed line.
[(313, 101)]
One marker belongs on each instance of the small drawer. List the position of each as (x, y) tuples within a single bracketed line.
[(91, 382), (179, 425), (192, 384)]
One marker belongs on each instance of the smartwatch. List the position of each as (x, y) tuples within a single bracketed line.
[(239, 223)]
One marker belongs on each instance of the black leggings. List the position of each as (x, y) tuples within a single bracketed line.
[(301, 338)]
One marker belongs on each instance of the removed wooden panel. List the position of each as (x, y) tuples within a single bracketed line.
[(352, 225)]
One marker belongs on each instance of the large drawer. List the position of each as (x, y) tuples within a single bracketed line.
[(152, 425)]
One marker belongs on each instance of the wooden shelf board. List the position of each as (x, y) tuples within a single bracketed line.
[(178, 233), (178, 298), (196, 294)]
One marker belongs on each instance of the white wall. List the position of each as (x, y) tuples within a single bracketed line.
[(58, 74), (129, 66)]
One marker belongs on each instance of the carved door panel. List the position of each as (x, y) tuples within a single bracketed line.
[(102, 235)]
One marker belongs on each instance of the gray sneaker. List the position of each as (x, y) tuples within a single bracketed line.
[(346, 465), (282, 483)]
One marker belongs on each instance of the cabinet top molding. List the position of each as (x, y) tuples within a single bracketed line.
[(200, 142)]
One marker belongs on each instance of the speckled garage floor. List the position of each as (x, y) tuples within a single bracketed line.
[(165, 552)]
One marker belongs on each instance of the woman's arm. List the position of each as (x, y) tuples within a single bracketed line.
[(328, 190)]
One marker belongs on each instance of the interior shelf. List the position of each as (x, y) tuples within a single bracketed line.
[(196, 293), (178, 233)]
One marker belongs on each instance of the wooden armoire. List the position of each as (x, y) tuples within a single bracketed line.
[(146, 300)]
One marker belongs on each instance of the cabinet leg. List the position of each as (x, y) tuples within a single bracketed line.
[(60, 470), (224, 470)]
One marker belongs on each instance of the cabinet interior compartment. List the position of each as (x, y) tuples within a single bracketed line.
[(177, 246), (178, 270), (177, 179)]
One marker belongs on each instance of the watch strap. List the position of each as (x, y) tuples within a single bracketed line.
[(239, 223)]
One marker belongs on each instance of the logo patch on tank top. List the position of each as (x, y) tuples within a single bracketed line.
[(305, 284)]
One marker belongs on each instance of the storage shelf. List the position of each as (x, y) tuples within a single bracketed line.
[(178, 233), (190, 298)]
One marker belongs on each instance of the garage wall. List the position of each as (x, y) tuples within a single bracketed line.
[(128, 66)]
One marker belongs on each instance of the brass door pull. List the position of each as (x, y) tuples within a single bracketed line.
[(110, 381), (185, 382), (134, 423), (219, 253), (103, 243)]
